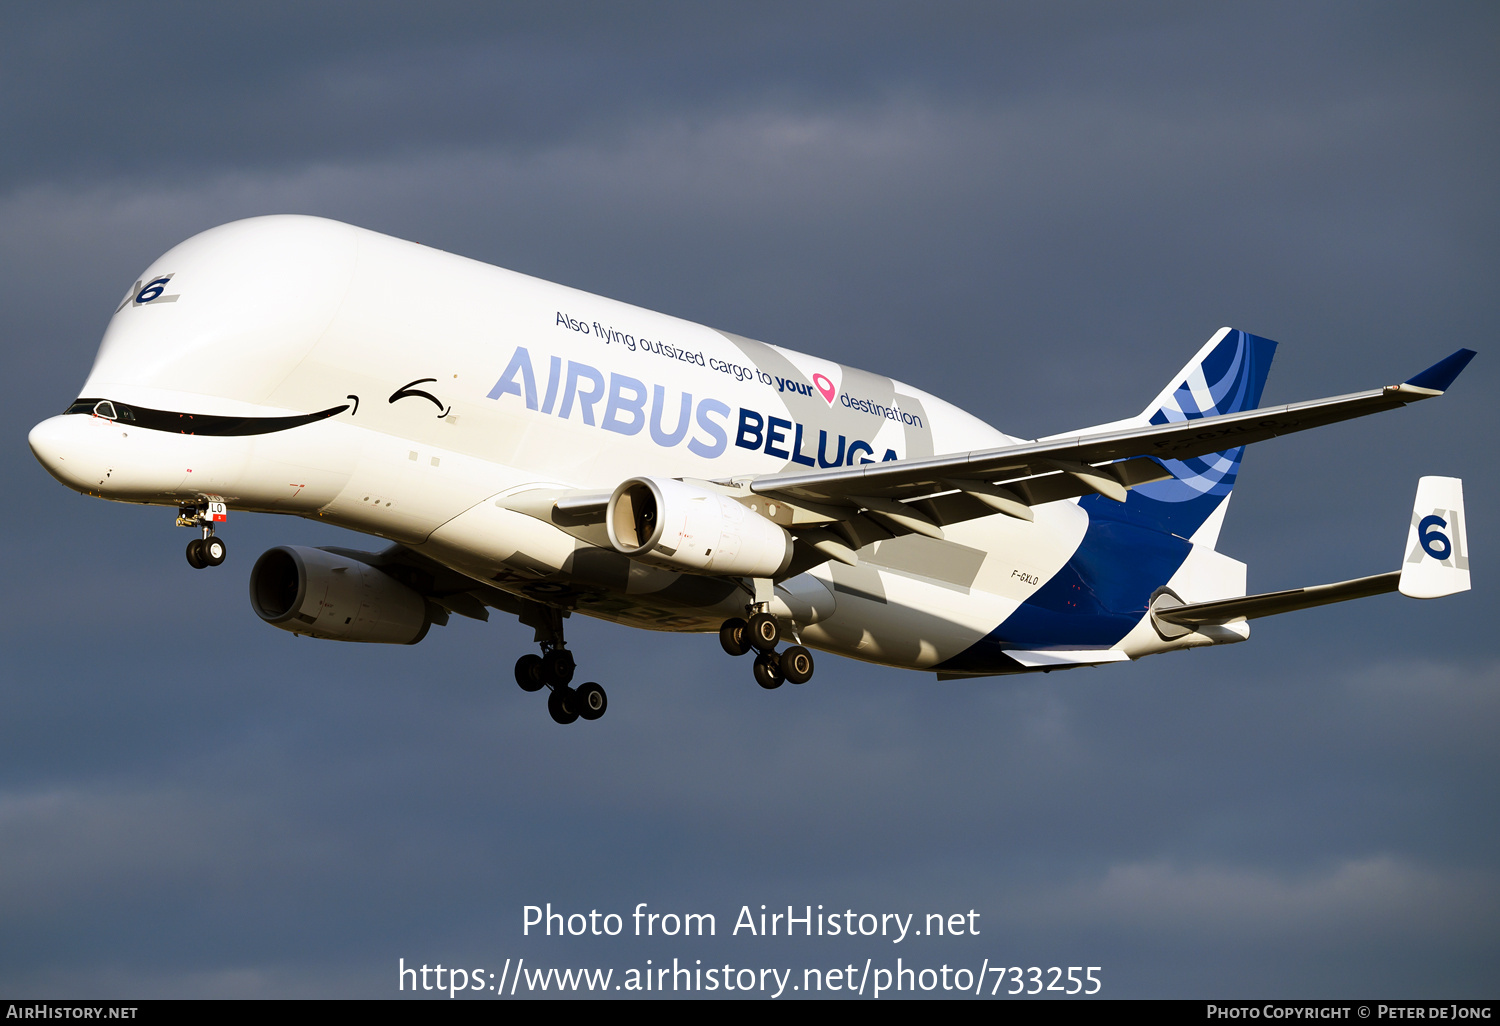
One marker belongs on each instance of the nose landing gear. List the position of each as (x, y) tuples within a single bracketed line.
[(554, 669), (762, 632), (210, 549)]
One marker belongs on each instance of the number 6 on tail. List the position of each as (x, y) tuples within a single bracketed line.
[(1437, 549)]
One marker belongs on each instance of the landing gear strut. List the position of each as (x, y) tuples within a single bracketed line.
[(761, 632), (554, 669), (210, 549)]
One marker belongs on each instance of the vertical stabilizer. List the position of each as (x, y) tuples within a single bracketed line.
[(1437, 546), (1226, 376)]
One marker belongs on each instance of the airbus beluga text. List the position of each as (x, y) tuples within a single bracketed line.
[(538, 450)]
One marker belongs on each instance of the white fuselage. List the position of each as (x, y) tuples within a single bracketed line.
[(467, 386)]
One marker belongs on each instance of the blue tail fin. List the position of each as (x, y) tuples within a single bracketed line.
[(1226, 376)]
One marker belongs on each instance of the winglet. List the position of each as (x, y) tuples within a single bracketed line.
[(1441, 374), (1437, 546)]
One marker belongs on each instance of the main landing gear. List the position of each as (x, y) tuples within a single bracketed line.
[(554, 669), (210, 549), (762, 632)]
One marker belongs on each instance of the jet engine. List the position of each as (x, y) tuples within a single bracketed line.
[(683, 527), (325, 595)]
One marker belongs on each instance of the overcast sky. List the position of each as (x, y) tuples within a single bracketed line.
[(1036, 211)]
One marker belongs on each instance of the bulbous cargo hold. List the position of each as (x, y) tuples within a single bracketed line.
[(325, 595), (683, 527)]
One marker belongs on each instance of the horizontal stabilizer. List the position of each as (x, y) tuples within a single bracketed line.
[(1045, 657), (1436, 564), (1248, 607)]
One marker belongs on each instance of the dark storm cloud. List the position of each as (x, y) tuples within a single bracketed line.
[(97, 90), (1037, 212)]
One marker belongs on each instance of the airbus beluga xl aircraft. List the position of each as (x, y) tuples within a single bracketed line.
[(542, 451)]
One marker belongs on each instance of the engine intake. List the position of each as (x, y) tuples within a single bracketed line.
[(325, 595), (684, 527)]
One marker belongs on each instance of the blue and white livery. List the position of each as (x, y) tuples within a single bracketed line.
[(538, 450)]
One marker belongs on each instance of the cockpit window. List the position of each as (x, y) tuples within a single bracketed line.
[(195, 423), (106, 408)]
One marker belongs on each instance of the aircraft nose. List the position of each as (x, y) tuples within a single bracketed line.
[(46, 440), (54, 443)]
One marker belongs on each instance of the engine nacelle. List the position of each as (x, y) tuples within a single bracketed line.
[(683, 527), (325, 595)]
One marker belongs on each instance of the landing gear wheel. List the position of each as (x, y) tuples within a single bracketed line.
[(529, 672), (195, 554), (797, 665), (591, 701), (764, 632), (558, 667), (768, 671), (734, 636), (563, 705), (212, 550)]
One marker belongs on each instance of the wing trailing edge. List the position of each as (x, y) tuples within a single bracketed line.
[(909, 479)]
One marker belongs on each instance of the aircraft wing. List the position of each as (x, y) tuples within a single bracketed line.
[(841, 510), (449, 590), (1011, 478)]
